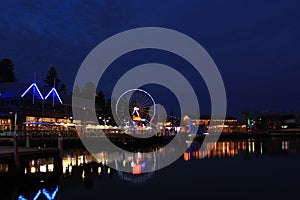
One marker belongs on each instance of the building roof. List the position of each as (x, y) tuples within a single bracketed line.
[(16, 90), (13, 90)]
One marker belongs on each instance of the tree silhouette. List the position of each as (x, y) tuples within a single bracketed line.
[(52, 78), (62, 89), (108, 109), (88, 91), (76, 91), (100, 100), (7, 71)]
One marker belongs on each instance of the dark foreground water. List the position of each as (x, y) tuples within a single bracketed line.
[(266, 168)]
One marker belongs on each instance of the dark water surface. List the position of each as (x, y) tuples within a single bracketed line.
[(266, 168)]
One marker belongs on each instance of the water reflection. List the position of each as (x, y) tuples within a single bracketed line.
[(43, 165), (220, 149), (79, 163), (44, 193), (232, 148), (41, 178), (3, 168)]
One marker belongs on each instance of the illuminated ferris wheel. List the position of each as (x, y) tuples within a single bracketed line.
[(137, 106)]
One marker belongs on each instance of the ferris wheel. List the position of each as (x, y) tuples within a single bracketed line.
[(137, 106)]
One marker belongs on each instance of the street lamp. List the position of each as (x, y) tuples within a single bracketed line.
[(15, 122), (15, 138), (15, 131), (105, 120)]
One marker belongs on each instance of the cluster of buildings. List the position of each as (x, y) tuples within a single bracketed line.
[(271, 120), (28, 107), (227, 124)]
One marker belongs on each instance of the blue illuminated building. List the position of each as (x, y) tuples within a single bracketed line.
[(33, 104)]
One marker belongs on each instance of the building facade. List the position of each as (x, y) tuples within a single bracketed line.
[(25, 106)]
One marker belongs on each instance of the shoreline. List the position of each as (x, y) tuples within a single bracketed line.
[(128, 141)]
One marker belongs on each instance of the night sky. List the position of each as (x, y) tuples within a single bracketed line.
[(255, 44)]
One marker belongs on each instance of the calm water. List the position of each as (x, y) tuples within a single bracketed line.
[(235, 169)]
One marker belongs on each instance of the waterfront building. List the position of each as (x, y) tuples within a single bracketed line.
[(277, 121), (43, 109), (201, 124), (33, 107), (244, 117)]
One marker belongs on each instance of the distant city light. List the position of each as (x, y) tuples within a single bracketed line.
[(43, 168)]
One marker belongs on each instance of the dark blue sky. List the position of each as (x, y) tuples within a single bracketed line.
[(255, 43)]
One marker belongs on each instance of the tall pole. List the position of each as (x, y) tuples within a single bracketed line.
[(16, 156), (34, 79), (15, 131), (53, 93), (33, 93), (52, 98)]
